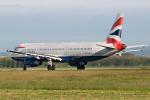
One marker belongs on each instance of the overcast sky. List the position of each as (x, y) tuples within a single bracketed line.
[(71, 21)]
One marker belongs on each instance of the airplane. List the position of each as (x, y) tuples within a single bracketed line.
[(76, 54)]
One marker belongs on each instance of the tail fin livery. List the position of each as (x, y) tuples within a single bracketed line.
[(115, 32), (114, 36)]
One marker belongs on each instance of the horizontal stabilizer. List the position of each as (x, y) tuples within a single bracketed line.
[(135, 46)]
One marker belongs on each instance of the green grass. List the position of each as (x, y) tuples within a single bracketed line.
[(74, 68), (72, 84), (31, 94)]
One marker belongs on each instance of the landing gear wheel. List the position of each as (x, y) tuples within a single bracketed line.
[(49, 67), (53, 67), (80, 67), (24, 68)]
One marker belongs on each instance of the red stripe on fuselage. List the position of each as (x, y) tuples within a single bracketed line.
[(20, 47), (119, 22)]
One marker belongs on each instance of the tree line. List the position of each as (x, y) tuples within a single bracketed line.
[(125, 60), (8, 62)]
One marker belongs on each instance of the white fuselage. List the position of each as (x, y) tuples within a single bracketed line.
[(83, 49)]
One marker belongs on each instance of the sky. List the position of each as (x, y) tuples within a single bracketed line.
[(44, 21)]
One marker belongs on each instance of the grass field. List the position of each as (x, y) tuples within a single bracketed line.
[(61, 84), (75, 68)]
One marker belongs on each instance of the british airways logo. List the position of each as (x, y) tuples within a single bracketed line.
[(19, 47)]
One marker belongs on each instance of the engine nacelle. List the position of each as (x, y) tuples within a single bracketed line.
[(73, 64), (31, 61), (120, 46), (77, 63)]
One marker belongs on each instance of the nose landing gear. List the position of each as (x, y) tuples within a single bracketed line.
[(50, 65)]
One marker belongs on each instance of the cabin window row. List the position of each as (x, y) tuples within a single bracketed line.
[(58, 49)]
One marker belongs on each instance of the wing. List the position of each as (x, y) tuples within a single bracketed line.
[(129, 47), (38, 56)]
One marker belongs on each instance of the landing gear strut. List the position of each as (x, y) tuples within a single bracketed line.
[(50, 65)]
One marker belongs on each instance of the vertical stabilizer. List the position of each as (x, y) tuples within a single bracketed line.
[(115, 32), (114, 36)]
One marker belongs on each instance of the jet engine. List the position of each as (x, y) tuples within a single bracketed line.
[(77, 63), (73, 64), (31, 61)]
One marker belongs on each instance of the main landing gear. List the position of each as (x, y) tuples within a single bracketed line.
[(50, 65), (81, 66), (24, 68)]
